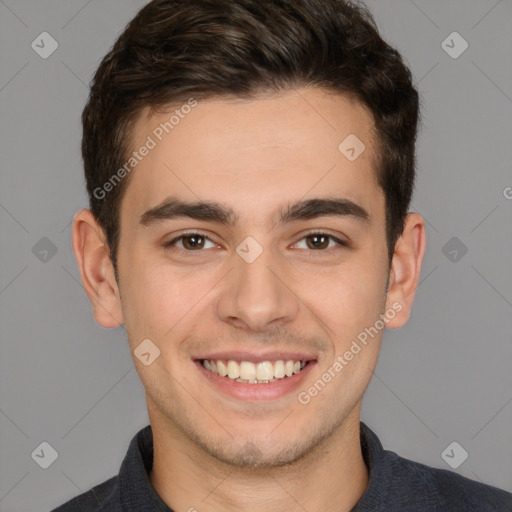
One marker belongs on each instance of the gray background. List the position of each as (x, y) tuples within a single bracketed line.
[(444, 377)]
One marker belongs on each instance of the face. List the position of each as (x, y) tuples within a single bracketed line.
[(269, 284)]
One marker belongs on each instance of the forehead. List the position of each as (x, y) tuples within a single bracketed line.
[(260, 151)]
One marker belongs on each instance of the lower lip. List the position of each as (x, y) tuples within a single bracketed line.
[(256, 392)]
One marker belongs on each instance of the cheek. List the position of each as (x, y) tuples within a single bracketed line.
[(160, 302), (349, 298)]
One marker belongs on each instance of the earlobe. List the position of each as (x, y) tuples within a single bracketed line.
[(93, 257), (406, 269)]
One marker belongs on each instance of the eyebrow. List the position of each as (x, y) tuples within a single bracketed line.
[(209, 211)]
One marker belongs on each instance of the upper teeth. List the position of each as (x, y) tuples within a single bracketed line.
[(265, 371)]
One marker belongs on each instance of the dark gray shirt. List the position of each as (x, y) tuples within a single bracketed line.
[(396, 485)]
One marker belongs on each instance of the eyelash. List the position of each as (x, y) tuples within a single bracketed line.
[(169, 245)]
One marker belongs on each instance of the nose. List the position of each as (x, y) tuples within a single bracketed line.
[(257, 296)]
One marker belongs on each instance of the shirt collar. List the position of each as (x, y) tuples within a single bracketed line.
[(136, 491), (379, 471)]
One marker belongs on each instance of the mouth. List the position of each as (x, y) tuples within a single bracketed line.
[(255, 378), (247, 372)]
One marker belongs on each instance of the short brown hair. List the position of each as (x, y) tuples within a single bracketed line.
[(176, 49)]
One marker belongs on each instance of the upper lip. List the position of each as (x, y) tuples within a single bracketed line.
[(257, 356)]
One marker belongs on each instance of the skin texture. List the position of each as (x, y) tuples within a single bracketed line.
[(214, 451)]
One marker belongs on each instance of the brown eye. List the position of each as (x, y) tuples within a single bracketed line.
[(189, 242), (318, 241), (193, 242)]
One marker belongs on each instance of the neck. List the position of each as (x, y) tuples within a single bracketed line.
[(331, 477)]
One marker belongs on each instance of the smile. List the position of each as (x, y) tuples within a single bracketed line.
[(247, 372)]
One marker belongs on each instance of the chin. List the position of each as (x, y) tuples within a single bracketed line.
[(250, 456), (263, 453)]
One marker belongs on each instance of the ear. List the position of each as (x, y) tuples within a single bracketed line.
[(93, 257), (405, 270)]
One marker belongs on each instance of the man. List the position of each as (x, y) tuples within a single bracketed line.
[(250, 165)]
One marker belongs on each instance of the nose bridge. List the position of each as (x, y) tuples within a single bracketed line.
[(254, 293)]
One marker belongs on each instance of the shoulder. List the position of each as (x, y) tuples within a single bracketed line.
[(98, 499), (398, 484), (440, 489)]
